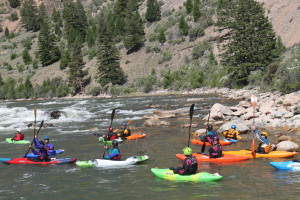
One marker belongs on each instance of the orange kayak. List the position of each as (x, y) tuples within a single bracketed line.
[(272, 154), (199, 142), (224, 158), (136, 136)]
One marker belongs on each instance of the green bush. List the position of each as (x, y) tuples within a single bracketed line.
[(196, 32), (27, 42), (200, 48), (13, 56), (13, 17), (166, 56)]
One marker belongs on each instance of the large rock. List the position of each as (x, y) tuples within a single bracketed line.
[(219, 111), (292, 98), (245, 104), (155, 122), (240, 124), (287, 146)]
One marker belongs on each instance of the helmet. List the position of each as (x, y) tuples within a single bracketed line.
[(46, 138), (124, 124), (115, 143), (18, 130), (233, 126), (209, 127), (264, 133), (187, 151), (110, 129)]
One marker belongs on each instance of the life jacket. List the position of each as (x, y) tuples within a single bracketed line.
[(19, 136), (215, 151), (43, 154), (231, 133), (111, 136), (190, 168), (118, 157)]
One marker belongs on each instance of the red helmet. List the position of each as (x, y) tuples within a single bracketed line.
[(110, 129)]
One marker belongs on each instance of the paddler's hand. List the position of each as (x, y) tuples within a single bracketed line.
[(105, 147), (30, 146)]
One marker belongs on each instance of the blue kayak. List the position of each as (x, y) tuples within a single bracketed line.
[(287, 165), (230, 140), (51, 153)]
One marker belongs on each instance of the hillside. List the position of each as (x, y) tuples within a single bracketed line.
[(284, 15)]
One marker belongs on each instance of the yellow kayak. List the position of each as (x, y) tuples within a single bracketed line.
[(272, 154)]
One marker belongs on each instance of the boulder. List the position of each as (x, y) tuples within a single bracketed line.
[(287, 146), (292, 98), (245, 104), (55, 114), (155, 122), (240, 124), (218, 111), (284, 138)]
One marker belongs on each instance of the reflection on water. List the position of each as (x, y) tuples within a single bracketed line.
[(252, 179)]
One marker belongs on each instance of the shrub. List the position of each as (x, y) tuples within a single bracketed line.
[(196, 32), (13, 17), (13, 56), (166, 56), (27, 42), (199, 49)]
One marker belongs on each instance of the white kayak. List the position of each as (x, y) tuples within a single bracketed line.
[(112, 163)]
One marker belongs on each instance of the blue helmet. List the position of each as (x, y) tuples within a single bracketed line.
[(46, 138), (124, 124), (233, 126)]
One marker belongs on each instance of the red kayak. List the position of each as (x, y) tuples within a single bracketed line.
[(136, 136), (21, 161), (200, 142), (224, 158)]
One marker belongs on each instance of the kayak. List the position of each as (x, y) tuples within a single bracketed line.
[(199, 142), (136, 136), (8, 140), (287, 165), (51, 153), (112, 163), (230, 140), (109, 142), (28, 161), (224, 158), (272, 154), (169, 175)]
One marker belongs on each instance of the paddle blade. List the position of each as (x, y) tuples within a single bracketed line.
[(253, 148), (253, 101), (34, 112), (129, 122), (192, 111)]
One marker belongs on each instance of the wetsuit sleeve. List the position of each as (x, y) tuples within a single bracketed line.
[(37, 144), (50, 146), (34, 151)]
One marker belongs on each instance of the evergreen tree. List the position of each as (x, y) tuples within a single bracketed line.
[(196, 10), (109, 69), (134, 28), (6, 33), (29, 16), (14, 3), (42, 14), (183, 26), (91, 36), (188, 6), (161, 36), (65, 59), (252, 44), (9, 89), (26, 57), (47, 49), (76, 65), (153, 11)]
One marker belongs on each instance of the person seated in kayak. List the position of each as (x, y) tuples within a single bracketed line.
[(190, 164), (42, 150), (110, 135), (115, 153), (48, 145), (232, 133), (215, 150), (18, 136), (124, 131), (210, 134), (264, 146)]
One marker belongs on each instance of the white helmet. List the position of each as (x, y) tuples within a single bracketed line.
[(18, 130)]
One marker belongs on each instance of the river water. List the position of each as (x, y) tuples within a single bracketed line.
[(253, 179)]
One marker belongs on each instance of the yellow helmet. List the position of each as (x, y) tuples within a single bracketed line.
[(187, 151), (264, 133), (126, 131)]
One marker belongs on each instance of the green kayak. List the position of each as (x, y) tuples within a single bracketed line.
[(109, 142), (112, 163), (168, 174), (9, 140)]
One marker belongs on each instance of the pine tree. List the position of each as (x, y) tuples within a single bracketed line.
[(161, 36), (14, 3), (29, 16), (188, 6), (9, 89), (183, 26), (153, 11), (65, 59), (76, 65), (109, 69), (47, 49), (26, 57), (196, 10), (251, 44), (6, 33), (42, 14), (134, 28)]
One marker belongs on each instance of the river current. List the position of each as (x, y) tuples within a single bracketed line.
[(73, 131)]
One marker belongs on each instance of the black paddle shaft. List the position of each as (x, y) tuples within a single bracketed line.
[(204, 142), (191, 117), (42, 123)]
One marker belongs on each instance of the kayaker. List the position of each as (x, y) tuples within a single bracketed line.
[(124, 132), (49, 146), (215, 150), (42, 150), (232, 133), (115, 153), (210, 134), (264, 146), (110, 135), (190, 164), (18, 136)]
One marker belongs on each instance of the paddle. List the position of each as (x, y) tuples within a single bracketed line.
[(111, 121), (191, 117), (42, 123), (203, 146), (253, 103)]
